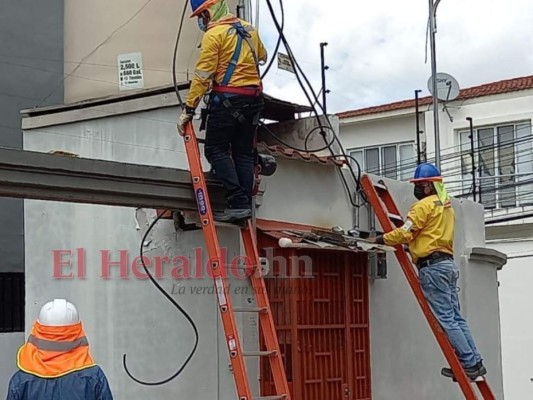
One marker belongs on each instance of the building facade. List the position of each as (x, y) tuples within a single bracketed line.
[(491, 164)]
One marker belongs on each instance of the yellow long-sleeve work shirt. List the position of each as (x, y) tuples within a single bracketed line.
[(429, 227), (217, 49)]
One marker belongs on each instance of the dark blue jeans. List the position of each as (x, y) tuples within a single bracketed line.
[(229, 146), (439, 284)]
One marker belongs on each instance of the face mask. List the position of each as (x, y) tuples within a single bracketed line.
[(419, 192), (201, 24)]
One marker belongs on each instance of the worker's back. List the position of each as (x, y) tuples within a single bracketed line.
[(55, 362), (86, 384), (222, 37)]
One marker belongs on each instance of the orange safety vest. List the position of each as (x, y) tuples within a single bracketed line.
[(54, 351)]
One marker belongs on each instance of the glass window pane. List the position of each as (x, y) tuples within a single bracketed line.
[(487, 163), (358, 156), (389, 162), (506, 166), (524, 164), (407, 161), (372, 161)]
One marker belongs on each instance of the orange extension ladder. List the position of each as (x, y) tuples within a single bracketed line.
[(388, 214), (227, 311)]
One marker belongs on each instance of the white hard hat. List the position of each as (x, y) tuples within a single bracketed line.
[(58, 312)]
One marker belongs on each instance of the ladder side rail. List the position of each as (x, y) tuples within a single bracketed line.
[(485, 390), (412, 278), (217, 264), (266, 319)]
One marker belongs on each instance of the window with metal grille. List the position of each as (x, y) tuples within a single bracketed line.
[(503, 156), (12, 304)]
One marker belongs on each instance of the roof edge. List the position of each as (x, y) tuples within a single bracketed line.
[(505, 86)]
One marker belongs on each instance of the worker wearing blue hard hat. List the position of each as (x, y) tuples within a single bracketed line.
[(429, 232), (228, 67)]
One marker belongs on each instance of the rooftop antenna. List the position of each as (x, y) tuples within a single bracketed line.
[(447, 89), (432, 30)]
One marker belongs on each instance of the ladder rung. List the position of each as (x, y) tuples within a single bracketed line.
[(249, 309), (279, 397), (379, 186), (258, 353), (394, 216)]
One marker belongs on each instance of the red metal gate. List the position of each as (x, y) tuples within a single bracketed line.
[(322, 322)]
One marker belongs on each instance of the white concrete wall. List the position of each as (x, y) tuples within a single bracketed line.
[(516, 298), (9, 345), (306, 193), (377, 132)]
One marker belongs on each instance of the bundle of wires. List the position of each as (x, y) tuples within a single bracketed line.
[(313, 101)]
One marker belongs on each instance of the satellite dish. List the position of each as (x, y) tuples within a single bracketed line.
[(447, 87)]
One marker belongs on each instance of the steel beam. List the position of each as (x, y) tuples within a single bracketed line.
[(34, 175)]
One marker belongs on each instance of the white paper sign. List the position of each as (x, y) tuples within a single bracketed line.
[(130, 71), (285, 63)]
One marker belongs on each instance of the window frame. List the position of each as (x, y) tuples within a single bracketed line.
[(400, 164), (500, 195)]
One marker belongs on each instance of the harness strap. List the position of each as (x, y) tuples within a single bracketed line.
[(233, 63), (245, 91), (219, 90)]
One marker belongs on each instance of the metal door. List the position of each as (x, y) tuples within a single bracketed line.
[(322, 324)]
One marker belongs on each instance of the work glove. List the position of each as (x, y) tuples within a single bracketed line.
[(184, 119)]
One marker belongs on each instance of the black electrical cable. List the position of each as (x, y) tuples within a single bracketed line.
[(277, 138), (152, 225), (175, 304), (175, 56), (298, 69), (291, 55), (277, 44)]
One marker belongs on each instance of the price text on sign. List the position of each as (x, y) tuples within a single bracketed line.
[(130, 71)]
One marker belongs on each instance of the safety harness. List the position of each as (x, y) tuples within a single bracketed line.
[(219, 91)]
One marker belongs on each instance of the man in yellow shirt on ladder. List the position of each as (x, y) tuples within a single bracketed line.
[(231, 51), (429, 232)]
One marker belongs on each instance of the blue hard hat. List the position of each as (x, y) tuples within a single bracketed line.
[(427, 172), (200, 5)]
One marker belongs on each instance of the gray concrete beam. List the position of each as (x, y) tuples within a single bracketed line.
[(34, 175)]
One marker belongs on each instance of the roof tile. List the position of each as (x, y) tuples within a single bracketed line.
[(286, 152), (488, 89)]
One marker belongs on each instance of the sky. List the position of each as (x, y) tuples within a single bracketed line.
[(377, 49)]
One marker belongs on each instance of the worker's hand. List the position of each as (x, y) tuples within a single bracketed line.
[(376, 240), (185, 118)]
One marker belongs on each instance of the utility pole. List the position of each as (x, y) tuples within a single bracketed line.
[(418, 150), (473, 157), (432, 30), (257, 4), (324, 69)]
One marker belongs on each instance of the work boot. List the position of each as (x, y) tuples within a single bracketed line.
[(232, 214), (473, 372)]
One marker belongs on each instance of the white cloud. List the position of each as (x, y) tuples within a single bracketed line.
[(376, 50)]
